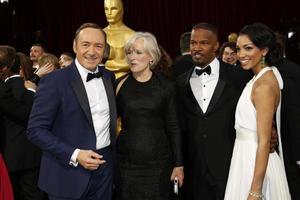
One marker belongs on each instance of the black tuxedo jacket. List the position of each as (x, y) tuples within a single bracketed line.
[(290, 110), (13, 109), (181, 64), (209, 137), (290, 126), (19, 152)]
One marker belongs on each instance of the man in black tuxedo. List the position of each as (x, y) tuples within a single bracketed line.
[(290, 126), (208, 95), (21, 156)]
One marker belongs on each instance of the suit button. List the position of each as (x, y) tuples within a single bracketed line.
[(204, 136), (205, 118)]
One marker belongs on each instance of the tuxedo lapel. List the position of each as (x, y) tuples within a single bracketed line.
[(218, 90), (111, 99), (109, 91), (195, 104), (81, 95), (190, 94)]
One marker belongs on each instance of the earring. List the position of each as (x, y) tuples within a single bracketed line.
[(263, 61), (150, 62)]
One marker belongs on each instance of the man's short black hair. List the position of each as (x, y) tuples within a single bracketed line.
[(40, 45), (207, 26)]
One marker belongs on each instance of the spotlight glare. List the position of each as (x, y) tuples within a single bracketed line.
[(290, 34)]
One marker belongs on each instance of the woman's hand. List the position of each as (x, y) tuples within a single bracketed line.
[(30, 85), (179, 174), (44, 70)]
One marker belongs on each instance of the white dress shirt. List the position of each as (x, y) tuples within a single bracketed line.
[(36, 68), (98, 103), (203, 86)]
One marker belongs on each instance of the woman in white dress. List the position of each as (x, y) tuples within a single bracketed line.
[(254, 172)]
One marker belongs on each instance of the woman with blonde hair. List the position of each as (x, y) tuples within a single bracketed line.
[(149, 151)]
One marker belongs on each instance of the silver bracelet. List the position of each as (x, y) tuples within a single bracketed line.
[(257, 195)]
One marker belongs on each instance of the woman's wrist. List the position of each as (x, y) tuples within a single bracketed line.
[(257, 195)]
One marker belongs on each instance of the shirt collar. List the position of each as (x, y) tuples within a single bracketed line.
[(215, 67), (186, 53), (83, 71), (13, 76)]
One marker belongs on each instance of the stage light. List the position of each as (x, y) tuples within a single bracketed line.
[(290, 34)]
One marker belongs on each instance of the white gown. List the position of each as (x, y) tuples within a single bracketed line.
[(275, 186)]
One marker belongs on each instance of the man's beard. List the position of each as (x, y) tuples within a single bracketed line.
[(199, 64)]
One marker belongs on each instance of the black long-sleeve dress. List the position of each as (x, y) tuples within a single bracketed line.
[(149, 145)]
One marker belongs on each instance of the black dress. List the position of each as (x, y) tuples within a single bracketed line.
[(149, 145)]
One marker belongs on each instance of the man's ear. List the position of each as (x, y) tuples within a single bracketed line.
[(74, 46), (217, 46)]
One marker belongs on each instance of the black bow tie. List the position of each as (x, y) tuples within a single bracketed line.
[(90, 76), (206, 69)]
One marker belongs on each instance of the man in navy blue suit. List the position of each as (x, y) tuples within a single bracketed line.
[(73, 120)]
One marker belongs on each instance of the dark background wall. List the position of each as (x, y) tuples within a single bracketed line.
[(167, 19)]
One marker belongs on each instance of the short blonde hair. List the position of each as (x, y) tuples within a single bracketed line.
[(48, 58), (150, 46)]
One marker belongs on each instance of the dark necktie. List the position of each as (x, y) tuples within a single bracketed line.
[(90, 76), (201, 71)]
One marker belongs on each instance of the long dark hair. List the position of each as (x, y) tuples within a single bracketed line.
[(26, 66)]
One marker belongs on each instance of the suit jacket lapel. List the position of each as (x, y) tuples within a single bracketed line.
[(111, 101), (81, 95), (219, 89), (190, 93)]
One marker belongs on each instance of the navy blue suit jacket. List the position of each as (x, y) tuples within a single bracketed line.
[(60, 122)]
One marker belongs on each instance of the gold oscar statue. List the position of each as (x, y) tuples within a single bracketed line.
[(117, 34), (232, 37)]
